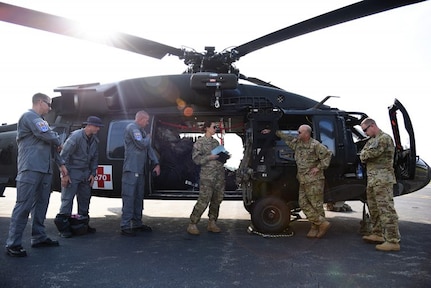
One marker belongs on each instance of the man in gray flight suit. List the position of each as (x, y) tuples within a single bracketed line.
[(137, 146), (38, 145), (80, 153)]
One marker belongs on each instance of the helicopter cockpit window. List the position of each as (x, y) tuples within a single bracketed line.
[(327, 134), (115, 143)]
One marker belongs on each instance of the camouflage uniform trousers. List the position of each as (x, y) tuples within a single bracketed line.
[(383, 216), (211, 192), (311, 201)]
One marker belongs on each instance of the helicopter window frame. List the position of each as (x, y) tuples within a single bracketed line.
[(327, 133)]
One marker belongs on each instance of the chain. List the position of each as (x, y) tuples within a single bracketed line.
[(285, 233)]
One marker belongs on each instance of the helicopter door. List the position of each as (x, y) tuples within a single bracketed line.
[(405, 153)]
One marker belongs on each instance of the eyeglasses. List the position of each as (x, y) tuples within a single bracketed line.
[(365, 130), (47, 103)]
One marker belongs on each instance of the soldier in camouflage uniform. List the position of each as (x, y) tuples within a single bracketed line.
[(312, 158), (378, 155), (211, 183)]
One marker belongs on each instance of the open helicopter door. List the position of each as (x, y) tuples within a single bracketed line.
[(405, 151)]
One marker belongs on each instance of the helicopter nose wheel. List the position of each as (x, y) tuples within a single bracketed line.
[(270, 215)]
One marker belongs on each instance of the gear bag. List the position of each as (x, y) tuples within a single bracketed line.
[(62, 223), (79, 224), (75, 224)]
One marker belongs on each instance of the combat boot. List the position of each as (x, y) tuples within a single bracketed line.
[(313, 231), (193, 229), (375, 239), (323, 228), (387, 246), (212, 227)]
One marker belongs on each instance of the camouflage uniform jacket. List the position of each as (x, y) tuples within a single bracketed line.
[(200, 155), (378, 155), (307, 156)]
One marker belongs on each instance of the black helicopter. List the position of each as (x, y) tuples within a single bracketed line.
[(211, 89)]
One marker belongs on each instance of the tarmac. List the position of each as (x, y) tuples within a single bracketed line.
[(169, 257)]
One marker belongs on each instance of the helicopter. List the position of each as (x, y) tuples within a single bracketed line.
[(210, 89)]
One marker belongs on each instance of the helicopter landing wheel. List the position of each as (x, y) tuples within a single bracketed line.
[(270, 215)]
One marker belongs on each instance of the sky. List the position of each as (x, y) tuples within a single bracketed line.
[(367, 62)]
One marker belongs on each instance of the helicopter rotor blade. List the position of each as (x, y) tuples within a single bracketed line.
[(345, 14), (257, 81), (63, 26)]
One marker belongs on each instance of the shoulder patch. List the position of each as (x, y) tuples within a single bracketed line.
[(137, 135), (42, 125)]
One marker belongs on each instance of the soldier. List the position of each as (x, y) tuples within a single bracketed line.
[(378, 155), (211, 183), (81, 153), (312, 158), (137, 146), (38, 146)]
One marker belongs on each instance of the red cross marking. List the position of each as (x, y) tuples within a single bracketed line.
[(101, 177)]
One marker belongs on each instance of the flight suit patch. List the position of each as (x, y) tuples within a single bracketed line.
[(42, 126), (137, 135)]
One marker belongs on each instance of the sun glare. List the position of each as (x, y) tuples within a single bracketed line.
[(96, 32), (101, 27)]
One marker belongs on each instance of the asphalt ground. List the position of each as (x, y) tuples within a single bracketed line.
[(169, 257)]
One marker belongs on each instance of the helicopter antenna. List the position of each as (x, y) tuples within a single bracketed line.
[(318, 105)]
